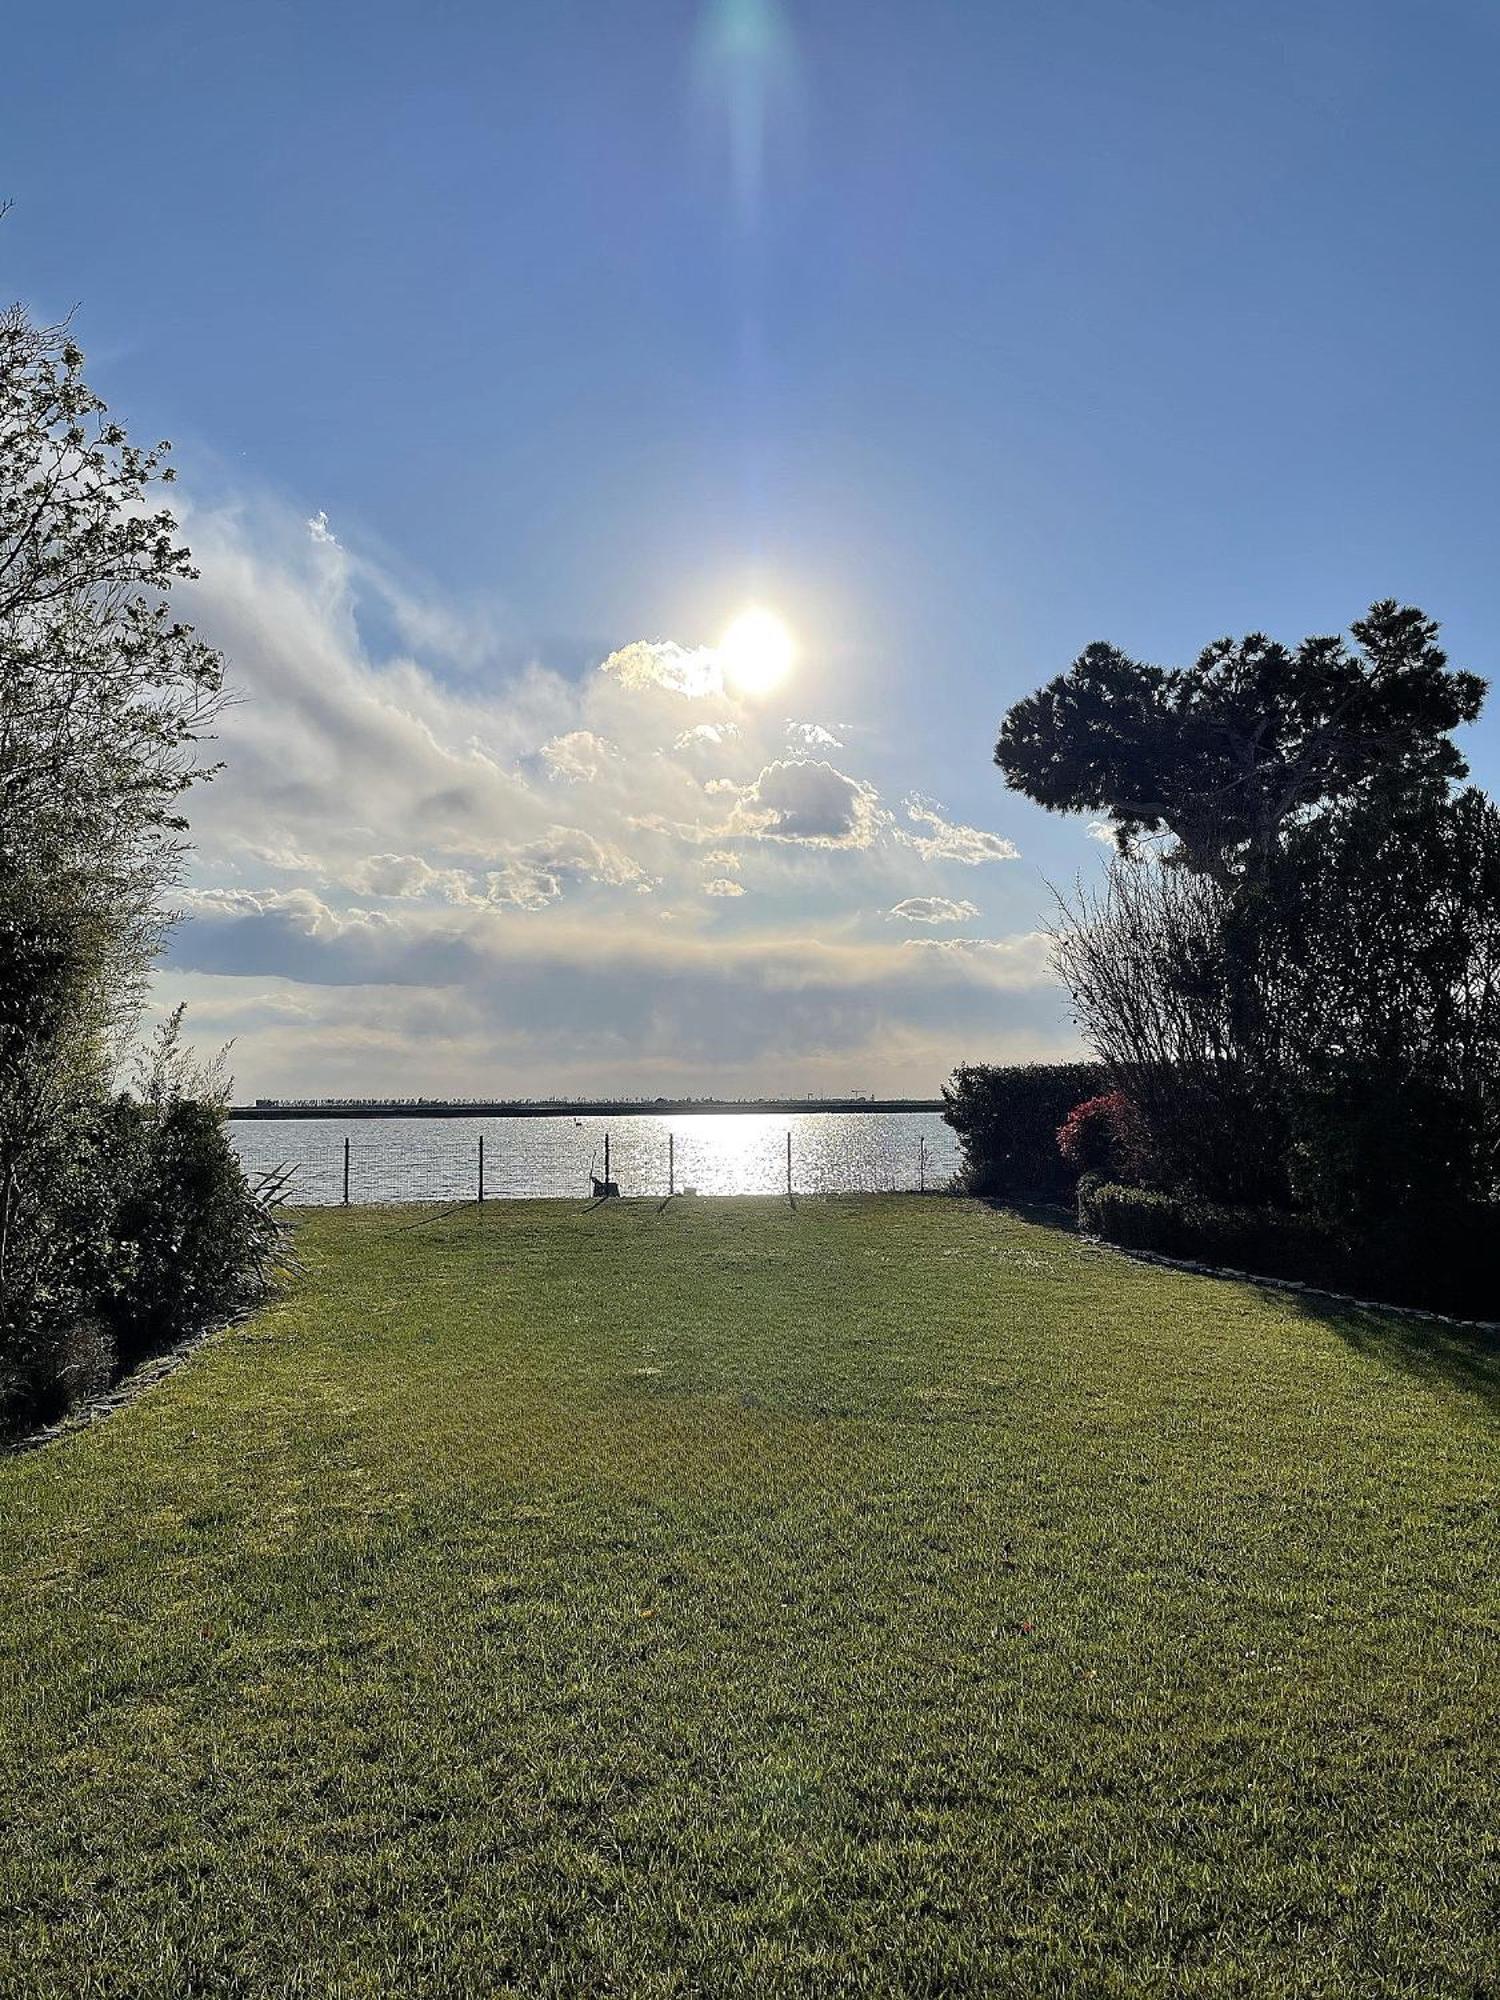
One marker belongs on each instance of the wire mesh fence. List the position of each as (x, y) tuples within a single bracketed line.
[(453, 1159)]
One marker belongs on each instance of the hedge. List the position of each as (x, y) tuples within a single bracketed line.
[(1444, 1264), (1268, 1241), (150, 1232), (1007, 1120)]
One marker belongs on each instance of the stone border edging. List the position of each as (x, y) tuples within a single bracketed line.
[(1284, 1285), (97, 1409)]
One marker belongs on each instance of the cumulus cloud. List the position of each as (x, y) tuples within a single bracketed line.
[(544, 867), (948, 841), (579, 755), (706, 736), (812, 736), (807, 799), (661, 663), (405, 875), (535, 874), (933, 910)]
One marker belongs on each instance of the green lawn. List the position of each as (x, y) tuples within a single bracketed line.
[(889, 1597)]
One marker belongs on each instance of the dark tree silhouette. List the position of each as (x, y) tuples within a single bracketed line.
[(1250, 739)]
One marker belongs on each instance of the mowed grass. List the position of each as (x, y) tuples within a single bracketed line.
[(885, 1597)]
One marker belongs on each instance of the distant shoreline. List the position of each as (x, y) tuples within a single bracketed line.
[(661, 1107)]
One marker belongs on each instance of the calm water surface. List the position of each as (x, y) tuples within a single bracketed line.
[(437, 1159)]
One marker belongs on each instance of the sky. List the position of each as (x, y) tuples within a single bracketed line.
[(509, 352)]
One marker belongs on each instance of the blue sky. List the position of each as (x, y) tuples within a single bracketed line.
[(961, 334)]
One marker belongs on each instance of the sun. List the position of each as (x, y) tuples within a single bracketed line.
[(757, 651)]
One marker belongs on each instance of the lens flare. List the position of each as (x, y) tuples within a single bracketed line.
[(757, 651)]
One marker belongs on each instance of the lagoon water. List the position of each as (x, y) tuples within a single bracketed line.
[(437, 1159)]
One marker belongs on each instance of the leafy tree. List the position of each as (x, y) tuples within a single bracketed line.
[(104, 699), (1305, 1009), (1228, 754), (105, 695), (1388, 921), (1328, 1040)]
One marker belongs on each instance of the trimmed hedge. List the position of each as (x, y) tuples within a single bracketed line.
[(1443, 1264), (1267, 1241), (1007, 1120)]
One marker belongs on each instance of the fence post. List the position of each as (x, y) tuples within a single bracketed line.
[(788, 1166), (921, 1163), (671, 1165), (346, 1173), (481, 1166)]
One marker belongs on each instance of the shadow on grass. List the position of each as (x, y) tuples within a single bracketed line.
[(1466, 1358), (1048, 1214)]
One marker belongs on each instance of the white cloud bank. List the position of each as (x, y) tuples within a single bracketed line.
[(420, 872)]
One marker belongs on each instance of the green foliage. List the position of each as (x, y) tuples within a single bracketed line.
[(190, 1240), (1442, 1260), (145, 1230), (1007, 1120), (1265, 1241), (104, 698), (1389, 926), (54, 1344), (886, 1599), (1304, 1003), (105, 695), (1225, 754)]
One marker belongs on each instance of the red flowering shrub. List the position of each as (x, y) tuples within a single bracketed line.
[(1104, 1135)]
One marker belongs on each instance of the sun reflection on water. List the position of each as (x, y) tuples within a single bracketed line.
[(724, 1153)]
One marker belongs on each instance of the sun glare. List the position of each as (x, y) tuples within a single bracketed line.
[(757, 651)]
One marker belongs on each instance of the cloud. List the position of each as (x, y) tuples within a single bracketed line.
[(812, 736), (1026, 959), (521, 875), (535, 875), (948, 841), (294, 934), (661, 663), (579, 755), (933, 910), (248, 933), (706, 735), (405, 875), (808, 800)]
